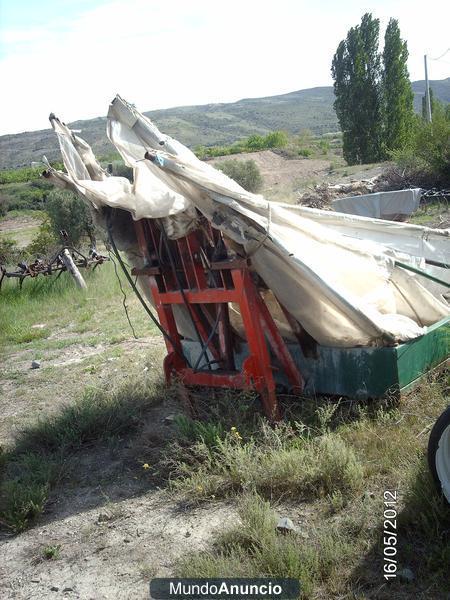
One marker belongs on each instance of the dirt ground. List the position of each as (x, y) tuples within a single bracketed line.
[(113, 530), (285, 178), (22, 229), (113, 527)]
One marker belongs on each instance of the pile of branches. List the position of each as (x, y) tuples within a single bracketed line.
[(393, 178), (321, 196)]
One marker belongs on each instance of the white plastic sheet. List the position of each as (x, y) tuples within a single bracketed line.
[(394, 206)]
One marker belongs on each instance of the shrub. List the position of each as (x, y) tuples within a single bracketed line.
[(25, 196), (201, 152), (20, 175), (25, 174), (4, 205), (324, 146), (278, 465), (276, 139), (246, 173), (426, 160), (119, 169), (44, 242), (9, 251), (432, 141), (256, 142), (254, 548), (67, 211), (305, 152)]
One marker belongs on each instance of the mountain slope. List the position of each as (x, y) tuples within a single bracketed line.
[(209, 124)]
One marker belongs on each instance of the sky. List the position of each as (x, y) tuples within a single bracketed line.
[(71, 57)]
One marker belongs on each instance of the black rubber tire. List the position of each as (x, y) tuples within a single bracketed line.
[(441, 424)]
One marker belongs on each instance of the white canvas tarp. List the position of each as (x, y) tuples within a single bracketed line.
[(344, 289)]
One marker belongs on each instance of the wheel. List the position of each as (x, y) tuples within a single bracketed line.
[(439, 453)]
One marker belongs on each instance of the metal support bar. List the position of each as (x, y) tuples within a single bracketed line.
[(206, 286)]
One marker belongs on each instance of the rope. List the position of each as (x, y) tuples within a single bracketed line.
[(124, 299), (139, 295)]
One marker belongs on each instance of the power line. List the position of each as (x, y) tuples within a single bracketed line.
[(441, 56)]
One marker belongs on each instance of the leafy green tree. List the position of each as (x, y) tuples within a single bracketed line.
[(356, 70), (425, 162), (398, 110)]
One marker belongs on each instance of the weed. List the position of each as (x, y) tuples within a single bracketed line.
[(255, 549), (206, 433), (51, 552), (337, 501), (325, 414), (278, 464), (97, 415), (22, 503)]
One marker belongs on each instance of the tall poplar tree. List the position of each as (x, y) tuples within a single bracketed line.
[(356, 72), (398, 110)]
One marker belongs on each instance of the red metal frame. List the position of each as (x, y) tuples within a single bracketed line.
[(207, 286)]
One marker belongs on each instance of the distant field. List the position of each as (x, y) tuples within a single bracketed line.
[(21, 226)]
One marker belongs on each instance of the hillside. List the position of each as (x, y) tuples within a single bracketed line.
[(207, 124)]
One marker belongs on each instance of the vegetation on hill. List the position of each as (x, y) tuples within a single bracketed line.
[(254, 143), (24, 189), (208, 125)]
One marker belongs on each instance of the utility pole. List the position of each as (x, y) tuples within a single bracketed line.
[(427, 92)]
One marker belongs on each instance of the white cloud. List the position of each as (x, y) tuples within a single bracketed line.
[(164, 54)]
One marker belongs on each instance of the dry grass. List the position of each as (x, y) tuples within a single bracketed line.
[(336, 459)]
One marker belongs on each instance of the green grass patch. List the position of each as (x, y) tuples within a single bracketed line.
[(44, 453), (430, 214), (58, 303)]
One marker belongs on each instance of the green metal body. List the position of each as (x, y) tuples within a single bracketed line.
[(364, 372), (374, 372)]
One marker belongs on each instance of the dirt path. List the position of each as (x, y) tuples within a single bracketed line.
[(109, 525), (105, 553)]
